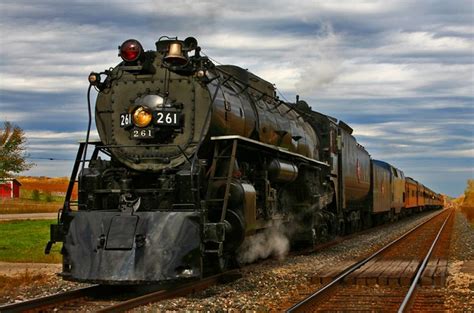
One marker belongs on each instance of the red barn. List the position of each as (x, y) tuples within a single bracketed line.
[(9, 188)]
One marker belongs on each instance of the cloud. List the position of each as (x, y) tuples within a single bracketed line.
[(43, 62), (398, 72), (46, 148), (55, 145), (50, 168), (428, 42), (50, 135)]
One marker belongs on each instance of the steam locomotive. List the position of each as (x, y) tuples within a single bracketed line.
[(195, 158)]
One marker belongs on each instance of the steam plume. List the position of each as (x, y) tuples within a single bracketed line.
[(272, 241)]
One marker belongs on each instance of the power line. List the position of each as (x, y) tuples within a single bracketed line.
[(49, 159), (282, 95)]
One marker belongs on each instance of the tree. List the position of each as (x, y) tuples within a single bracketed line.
[(12, 150), (469, 193), (35, 195)]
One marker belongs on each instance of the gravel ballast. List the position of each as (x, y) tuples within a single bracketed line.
[(273, 284), (459, 291)]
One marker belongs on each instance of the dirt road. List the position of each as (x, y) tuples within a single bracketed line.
[(28, 216), (13, 269)]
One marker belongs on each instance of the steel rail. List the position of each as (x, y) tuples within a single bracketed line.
[(352, 268), (414, 283), (182, 290), (38, 303), (60, 298)]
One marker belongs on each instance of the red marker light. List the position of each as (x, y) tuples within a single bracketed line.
[(130, 50)]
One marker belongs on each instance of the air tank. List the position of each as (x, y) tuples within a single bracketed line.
[(281, 171)]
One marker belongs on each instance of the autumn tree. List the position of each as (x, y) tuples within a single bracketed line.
[(469, 193), (12, 150)]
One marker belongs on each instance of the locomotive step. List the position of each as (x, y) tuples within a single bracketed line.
[(212, 251)]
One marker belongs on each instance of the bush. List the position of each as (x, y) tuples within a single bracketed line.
[(35, 195), (48, 197)]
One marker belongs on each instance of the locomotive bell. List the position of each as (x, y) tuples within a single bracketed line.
[(175, 54)]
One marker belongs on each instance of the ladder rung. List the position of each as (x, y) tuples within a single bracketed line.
[(211, 251), (214, 200), (183, 205)]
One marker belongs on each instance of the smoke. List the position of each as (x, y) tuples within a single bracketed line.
[(271, 242), (322, 63)]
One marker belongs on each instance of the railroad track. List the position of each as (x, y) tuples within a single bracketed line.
[(341, 239), (112, 299), (96, 298), (104, 299), (388, 280)]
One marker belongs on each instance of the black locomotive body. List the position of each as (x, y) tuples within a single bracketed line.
[(199, 159)]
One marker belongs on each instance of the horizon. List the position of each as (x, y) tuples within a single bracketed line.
[(68, 178)]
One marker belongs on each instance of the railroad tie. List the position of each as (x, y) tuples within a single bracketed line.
[(427, 278), (395, 279), (441, 273), (409, 272), (329, 273), (352, 278), (390, 274)]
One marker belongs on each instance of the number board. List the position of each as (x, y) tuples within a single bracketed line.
[(142, 133), (125, 120), (166, 118)]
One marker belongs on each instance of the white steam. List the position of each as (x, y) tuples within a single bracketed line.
[(271, 242), (321, 63)]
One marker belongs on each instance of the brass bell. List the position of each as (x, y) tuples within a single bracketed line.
[(175, 54)]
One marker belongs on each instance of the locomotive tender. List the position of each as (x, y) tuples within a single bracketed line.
[(200, 157)]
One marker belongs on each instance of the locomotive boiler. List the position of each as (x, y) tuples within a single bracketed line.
[(195, 158)]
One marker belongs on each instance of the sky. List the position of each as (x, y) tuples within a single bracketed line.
[(400, 73)]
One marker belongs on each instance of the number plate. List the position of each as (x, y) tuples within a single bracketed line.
[(142, 133), (125, 120), (166, 118)]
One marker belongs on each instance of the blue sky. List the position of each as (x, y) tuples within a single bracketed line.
[(400, 73)]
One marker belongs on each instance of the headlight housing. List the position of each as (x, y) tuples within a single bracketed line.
[(142, 116), (130, 50)]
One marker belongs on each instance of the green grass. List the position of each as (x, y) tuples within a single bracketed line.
[(24, 241)]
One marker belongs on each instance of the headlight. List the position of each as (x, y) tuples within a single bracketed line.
[(142, 117)]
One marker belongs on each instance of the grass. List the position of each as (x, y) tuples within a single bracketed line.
[(11, 206), (24, 241), (50, 184), (41, 196), (37, 195)]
